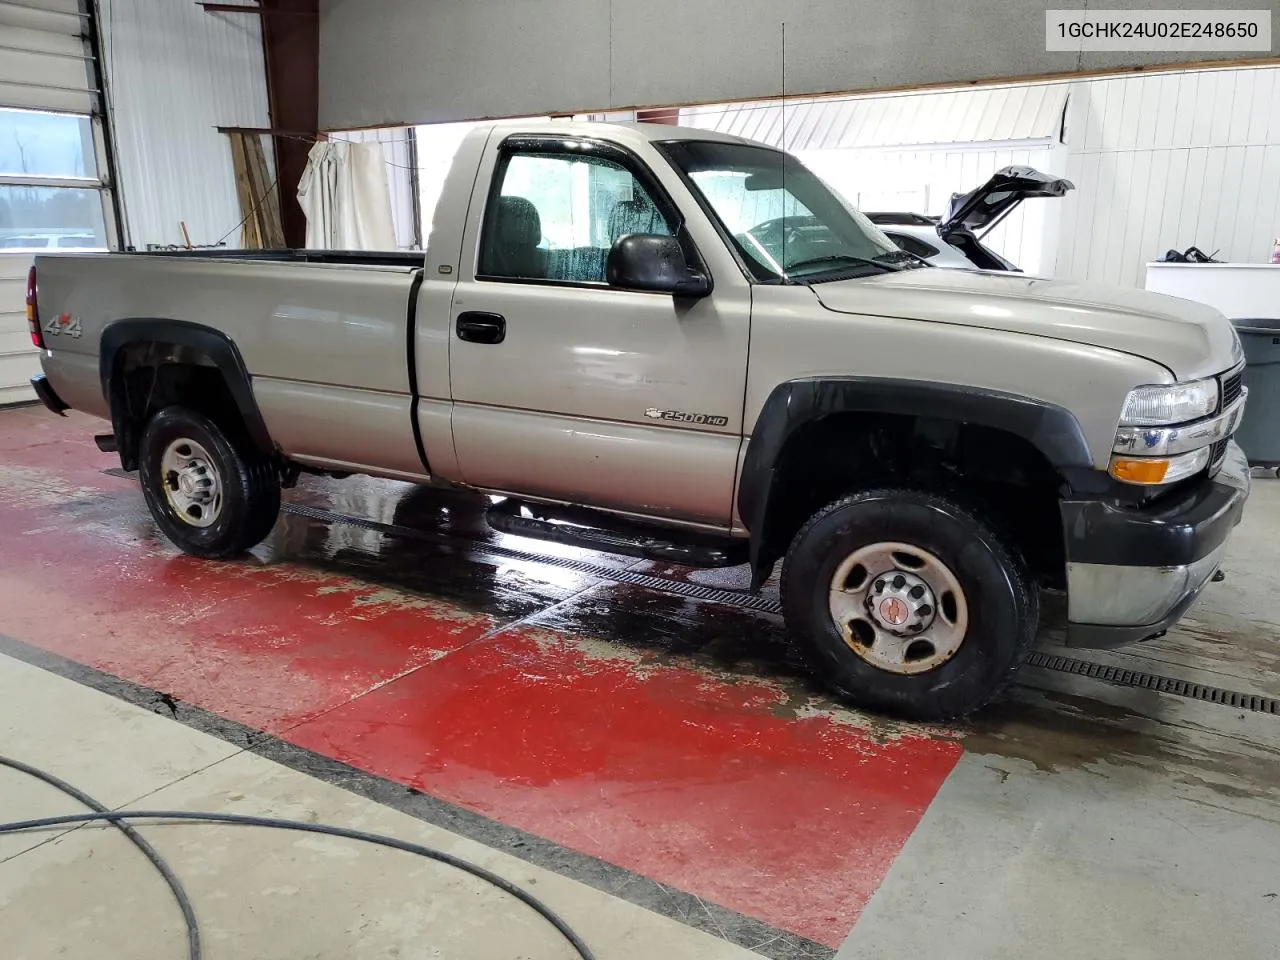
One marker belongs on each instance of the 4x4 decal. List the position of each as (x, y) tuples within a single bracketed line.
[(63, 324)]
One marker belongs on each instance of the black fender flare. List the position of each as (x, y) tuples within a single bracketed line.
[(214, 344), (1051, 429)]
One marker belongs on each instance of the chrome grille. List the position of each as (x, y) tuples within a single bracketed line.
[(1216, 453), (1231, 384)]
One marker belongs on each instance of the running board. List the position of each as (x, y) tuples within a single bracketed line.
[(606, 533)]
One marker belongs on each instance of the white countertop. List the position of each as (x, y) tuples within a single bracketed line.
[(1162, 265), (1242, 291)]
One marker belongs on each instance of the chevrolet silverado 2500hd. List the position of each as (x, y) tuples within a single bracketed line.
[(597, 333)]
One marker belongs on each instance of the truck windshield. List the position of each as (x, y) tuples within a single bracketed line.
[(786, 223)]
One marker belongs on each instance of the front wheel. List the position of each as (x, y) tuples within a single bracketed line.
[(909, 603), (208, 492)]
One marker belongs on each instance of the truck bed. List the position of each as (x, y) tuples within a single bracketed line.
[(324, 335), (352, 258)]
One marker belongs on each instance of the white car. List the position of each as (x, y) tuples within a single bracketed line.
[(32, 242), (956, 240)]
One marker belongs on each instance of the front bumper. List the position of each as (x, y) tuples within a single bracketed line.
[(1132, 573)]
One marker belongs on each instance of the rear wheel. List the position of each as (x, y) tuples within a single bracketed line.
[(908, 602), (207, 490)]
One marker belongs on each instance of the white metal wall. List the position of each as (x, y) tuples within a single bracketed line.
[(982, 114), (174, 74), (1169, 161)]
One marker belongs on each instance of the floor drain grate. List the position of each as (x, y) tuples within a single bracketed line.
[(696, 591), (1150, 681)]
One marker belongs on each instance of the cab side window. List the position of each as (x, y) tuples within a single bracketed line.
[(556, 216)]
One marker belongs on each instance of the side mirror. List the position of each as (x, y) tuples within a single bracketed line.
[(650, 261)]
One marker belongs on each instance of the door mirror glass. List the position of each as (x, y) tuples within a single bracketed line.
[(647, 261)]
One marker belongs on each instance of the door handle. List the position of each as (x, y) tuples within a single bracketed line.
[(477, 327)]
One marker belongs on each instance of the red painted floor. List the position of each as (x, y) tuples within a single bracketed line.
[(507, 690)]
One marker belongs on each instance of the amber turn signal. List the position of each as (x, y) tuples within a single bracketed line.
[(1150, 471), (1139, 471)]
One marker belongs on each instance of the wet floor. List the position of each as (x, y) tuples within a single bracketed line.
[(1053, 723)]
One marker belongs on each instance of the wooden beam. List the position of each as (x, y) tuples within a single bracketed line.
[(253, 8), (268, 132), (230, 7)]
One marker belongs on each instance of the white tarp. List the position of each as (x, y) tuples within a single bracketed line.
[(346, 198)]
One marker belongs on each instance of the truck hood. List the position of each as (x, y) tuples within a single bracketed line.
[(1190, 339)]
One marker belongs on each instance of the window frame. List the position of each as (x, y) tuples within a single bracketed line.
[(580, 147), (100, 183)]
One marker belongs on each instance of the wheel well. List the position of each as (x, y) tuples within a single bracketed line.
[(149, 376), (1003, 474)]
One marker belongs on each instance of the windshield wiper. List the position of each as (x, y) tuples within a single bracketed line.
[(834, 258), (909, 260)]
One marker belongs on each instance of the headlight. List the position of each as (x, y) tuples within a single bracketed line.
[(1168, 404)]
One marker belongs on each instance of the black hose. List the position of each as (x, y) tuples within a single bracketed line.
[(118, 816), (148, 851)]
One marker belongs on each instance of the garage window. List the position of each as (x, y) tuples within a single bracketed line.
[(52, 160), (50, 191)]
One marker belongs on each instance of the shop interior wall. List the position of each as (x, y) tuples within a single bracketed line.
[(1169, 161)]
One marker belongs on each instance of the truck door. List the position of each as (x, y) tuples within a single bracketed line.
[(568, 389)]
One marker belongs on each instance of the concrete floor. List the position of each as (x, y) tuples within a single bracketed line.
[(657, 760), (263, 894)]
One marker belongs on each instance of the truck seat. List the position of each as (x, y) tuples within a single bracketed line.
[(513, 250), (635, 216)]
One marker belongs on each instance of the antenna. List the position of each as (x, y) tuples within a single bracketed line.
[(785, 164)]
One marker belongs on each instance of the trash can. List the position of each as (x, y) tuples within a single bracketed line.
[(1259, 431)]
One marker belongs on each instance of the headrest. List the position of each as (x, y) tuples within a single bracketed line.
[(517, 222), (635, 216)]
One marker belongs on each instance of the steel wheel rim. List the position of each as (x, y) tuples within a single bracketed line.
[(898, 628), (192, 485)]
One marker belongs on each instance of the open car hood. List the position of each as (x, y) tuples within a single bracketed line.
[(985, 206)]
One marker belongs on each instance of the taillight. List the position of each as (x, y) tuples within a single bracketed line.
[(33, 310)]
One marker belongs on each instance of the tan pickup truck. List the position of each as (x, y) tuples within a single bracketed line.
[(675, 344)]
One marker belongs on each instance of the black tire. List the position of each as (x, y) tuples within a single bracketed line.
[(1002, 602), (250, 490)]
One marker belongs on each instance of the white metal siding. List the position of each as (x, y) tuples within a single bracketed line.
[(174, 74), (18, 359), (954, 116), (1169, 161)]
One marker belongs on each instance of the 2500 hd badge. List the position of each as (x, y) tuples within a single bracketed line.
[(701, 419)]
